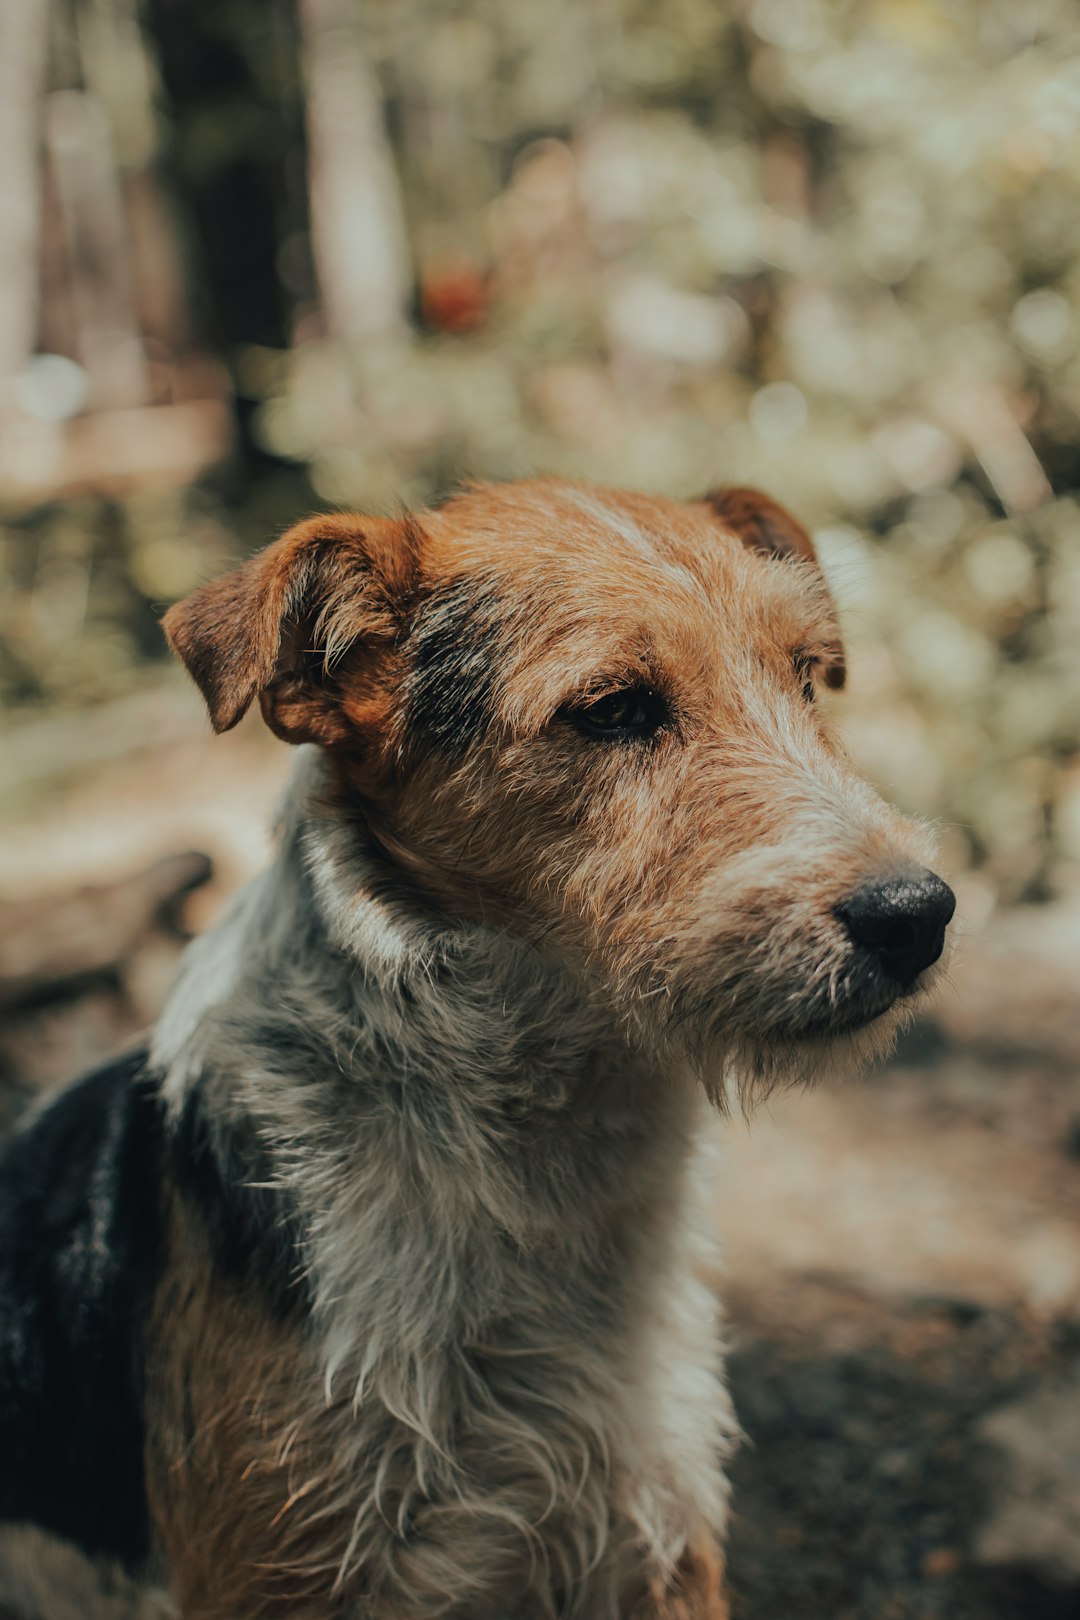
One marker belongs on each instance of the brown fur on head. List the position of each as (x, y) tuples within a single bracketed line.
[(688, 866)]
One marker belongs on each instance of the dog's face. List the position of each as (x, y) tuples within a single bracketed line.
[(593, 718)]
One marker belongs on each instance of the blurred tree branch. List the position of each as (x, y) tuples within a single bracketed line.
[(23, 42)]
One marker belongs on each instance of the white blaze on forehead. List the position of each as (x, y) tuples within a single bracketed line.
[(639, 541), (618, 522)]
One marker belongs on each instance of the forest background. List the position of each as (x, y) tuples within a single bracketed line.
[(260, 257)]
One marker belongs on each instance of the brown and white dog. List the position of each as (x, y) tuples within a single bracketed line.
[(375, 1289)]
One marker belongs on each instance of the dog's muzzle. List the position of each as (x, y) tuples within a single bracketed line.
[(898, 924)]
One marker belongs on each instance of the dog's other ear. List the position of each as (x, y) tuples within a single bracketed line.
[(307, 626), (763, 525)]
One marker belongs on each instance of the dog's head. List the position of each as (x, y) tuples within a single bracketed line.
[(592, 718)]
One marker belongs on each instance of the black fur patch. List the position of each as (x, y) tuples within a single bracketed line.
[(80, 1247), (453, 661), (81, 1250), (253, 1231)]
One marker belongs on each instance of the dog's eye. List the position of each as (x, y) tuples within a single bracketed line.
[(804, 669), (634, 711)]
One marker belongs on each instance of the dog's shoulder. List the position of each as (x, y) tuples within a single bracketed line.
[(250, 1223), (80, 1249)]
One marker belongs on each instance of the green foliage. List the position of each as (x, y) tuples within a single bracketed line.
[(832, 249)]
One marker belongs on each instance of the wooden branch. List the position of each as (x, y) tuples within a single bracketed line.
[(52, 947)]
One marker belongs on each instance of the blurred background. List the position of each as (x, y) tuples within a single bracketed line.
[(265, 256)]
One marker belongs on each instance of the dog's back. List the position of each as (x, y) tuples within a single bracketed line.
[(80, 1249)]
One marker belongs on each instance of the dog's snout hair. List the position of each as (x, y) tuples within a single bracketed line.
[(413, 1175)]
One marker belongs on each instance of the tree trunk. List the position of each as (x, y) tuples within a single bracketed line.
[(23, 42), (357, 222), (88, 184)]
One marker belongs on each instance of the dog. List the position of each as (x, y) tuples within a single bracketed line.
[(378, 1286)]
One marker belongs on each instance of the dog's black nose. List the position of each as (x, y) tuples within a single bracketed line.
[(902, 920)]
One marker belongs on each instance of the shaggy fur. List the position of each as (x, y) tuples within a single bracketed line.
[(432, 1332)]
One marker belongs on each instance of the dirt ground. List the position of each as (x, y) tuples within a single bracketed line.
[(902, 1252)]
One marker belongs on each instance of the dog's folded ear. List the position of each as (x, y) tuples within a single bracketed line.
[(307, 626), (763, 525)]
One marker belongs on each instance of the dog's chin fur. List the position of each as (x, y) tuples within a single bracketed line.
[(744, 1069), (755, 1070)]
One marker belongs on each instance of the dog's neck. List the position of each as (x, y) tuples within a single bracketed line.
[(422, 1092), (493, 1201), (330, 939)]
